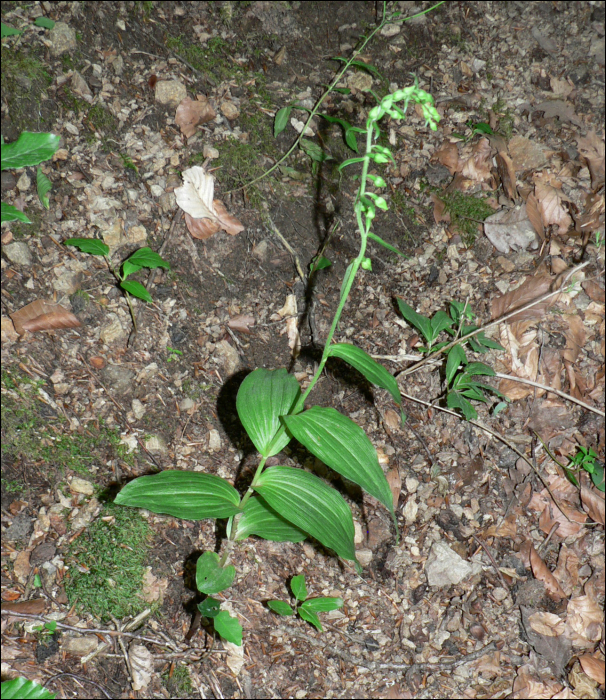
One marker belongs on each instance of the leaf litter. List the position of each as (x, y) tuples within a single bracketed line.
[(528, 165)]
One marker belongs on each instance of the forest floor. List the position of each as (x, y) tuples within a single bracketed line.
[(496, 585)]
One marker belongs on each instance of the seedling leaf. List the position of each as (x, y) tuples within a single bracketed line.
[(136, 289), (146, 257), (281, 120), (187, 495), (29, 149), (44, 186), (280, 607), (421, 323), (456, 358), (311, 617), (212, 578), (8, 31), (322, 604), (92, 246), (228, 627), (44, 22), (263, 397), (210, 607), (311, 505), (385, 244), (11, 213), (298, 587), (21, 688)]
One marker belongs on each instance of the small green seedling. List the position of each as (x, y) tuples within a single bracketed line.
[(144, 257), (29, 149), (461, 374), (47, 629), (586, 459), (212, 578), (172, 354), (307, 609)]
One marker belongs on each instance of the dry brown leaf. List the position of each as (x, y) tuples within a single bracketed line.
[(533, 287), (550, 207), (478, 166), (594, 291), (575, 337), (190, 113), (593, 502), (195, 197), (241, 323), (547, 624), (567, 569), (439, 209), (395, 484), (592, 217), (37, 606), (448, 155), (591, 147), (511, 229), (534, 215), (593, 666), (507, 174), (542, 573), (43, 315), (584, 622)]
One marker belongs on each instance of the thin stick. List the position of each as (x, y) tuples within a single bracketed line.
[(551, 390)]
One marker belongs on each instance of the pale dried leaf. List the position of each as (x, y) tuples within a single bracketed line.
[(542, 573), (195, 196), (511, 230), (241, 323), (235, 657), (575, 337), (585, 621), (43, 315), (591, 147), (294, 339), (594, 667), (439, 209), (533, 287), (534, 215), (478, 166), (448, 155), (289, 308), (395, 484), (560, 109), (201, 228), (507, 174), (142, 665), (190, 113), (550, 207), (593, 502), (226, 221), (547, 624)]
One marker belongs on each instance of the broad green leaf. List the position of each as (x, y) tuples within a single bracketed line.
[(146, 257), (320, 264), (482, 128), (212, 578), (314, 151), (298, 587), (440, 322), (487, 342), (209, 607), (128, 268), (136, 289), (310, 616), (343, 446), (456, 358), (187, 495), (11, 213), (92, 246), (311, 505), (280, 607), (350, 139), (228, 627), (372, 370), (501, 406), (22, 689), (44, 22), (474, 368), (597, 476), (8, 31), (281, 120), (263, 397), (29, 149), (322, 604), (44, 186), (456, 401), (350, 161), (261, 520), (385, 244), (421, 323)]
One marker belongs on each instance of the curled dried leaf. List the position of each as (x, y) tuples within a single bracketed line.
[(43, 315)]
